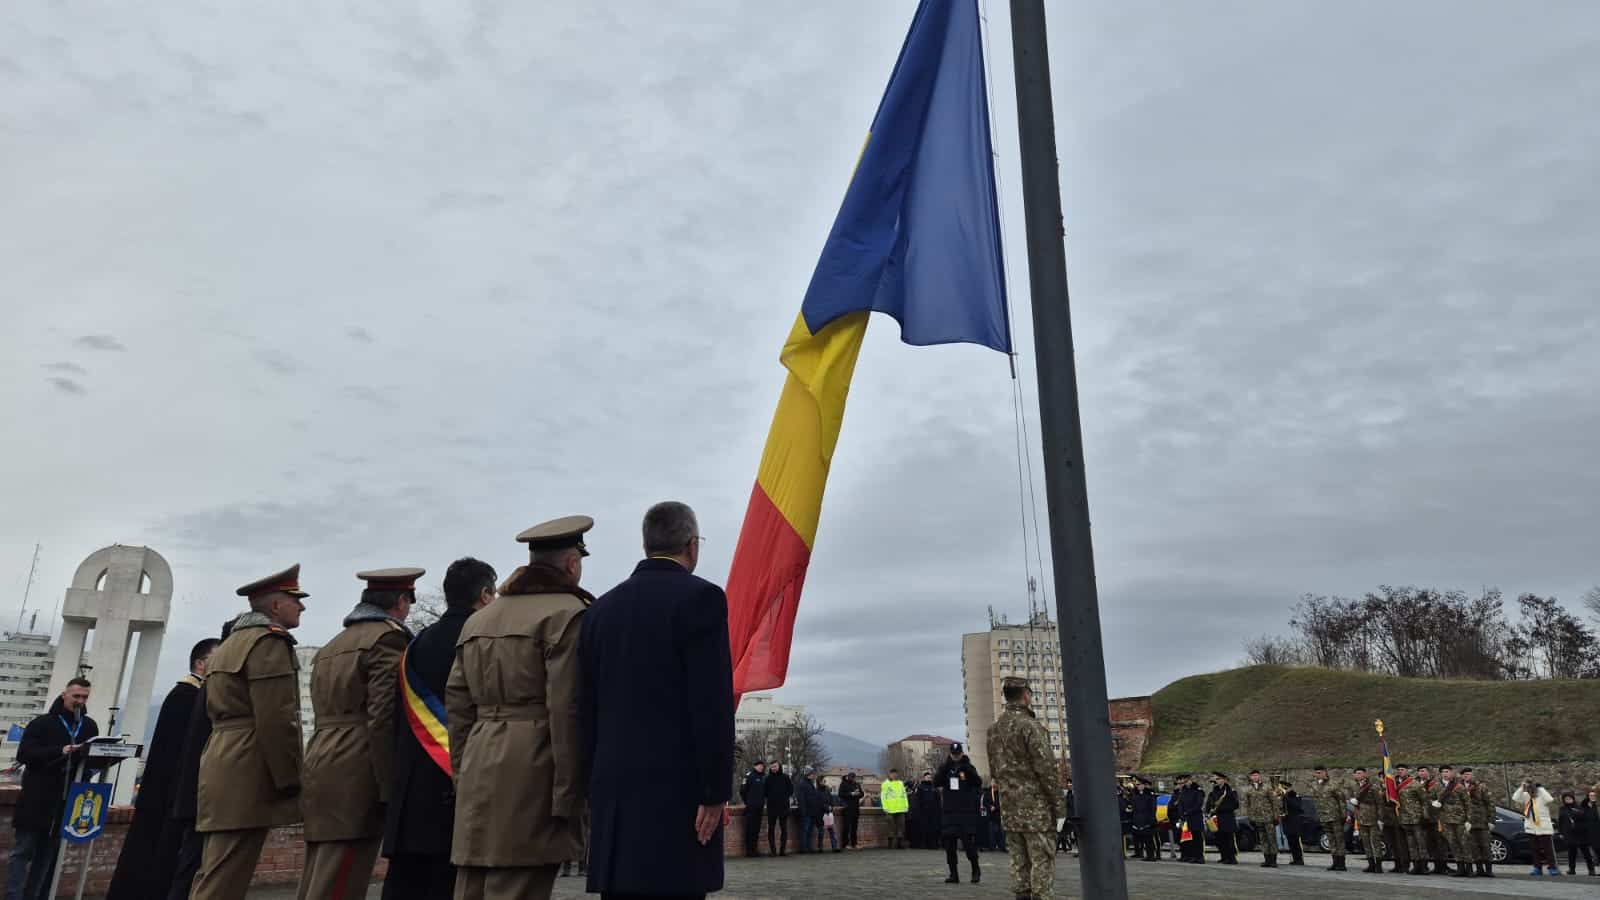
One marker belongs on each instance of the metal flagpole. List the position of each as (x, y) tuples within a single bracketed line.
[(1061, 432)]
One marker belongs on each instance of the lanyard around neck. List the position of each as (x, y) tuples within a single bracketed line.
[(72, 730)]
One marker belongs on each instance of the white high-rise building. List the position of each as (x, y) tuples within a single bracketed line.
[(757, 711), (1031, 651), (308, 719), (25, 666)]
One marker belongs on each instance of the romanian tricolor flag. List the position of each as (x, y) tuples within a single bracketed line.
[(425, 714), (1391, 789), (917, 237)]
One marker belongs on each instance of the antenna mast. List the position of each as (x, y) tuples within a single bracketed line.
[(28, 590)]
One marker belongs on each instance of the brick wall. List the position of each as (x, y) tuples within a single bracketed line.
[(871, 832), (1132, 719), (281, 861)]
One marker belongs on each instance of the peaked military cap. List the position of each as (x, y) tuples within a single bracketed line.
[(558, 534), (1014, 681), (1219, 775), (287, 581), (957, 748), (400, 579)]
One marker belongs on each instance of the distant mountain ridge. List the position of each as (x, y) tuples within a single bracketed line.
[(851, 752)]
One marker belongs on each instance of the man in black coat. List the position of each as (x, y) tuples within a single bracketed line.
[(52, 746), (926, 805), (420, 817), (753, 794), (850, 796), (1222, 803), (779, 790), (1191, 802), (1143, 823), (658, 677), (179, 831), (811, 808), (960, 789), (150, 851)]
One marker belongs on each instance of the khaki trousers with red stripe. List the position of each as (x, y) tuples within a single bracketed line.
[(339, 870)]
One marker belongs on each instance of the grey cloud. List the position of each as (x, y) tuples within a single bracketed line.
[(99, 342), (275, 361), (66, 385), (358, 334), (72, 368)]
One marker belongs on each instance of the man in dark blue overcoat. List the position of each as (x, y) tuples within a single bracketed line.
[(658, 720)]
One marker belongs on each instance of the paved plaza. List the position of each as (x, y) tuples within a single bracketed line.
[(915, 874)]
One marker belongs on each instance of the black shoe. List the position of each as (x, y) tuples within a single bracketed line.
[(953, 879), (1269, 864), (1441, 869), (1488, 871), (1297, 861)]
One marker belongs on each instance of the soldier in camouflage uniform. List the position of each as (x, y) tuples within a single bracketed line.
[(1413, 800), (1263, 805), (1023, 768), (1452, 807), (1330, 797), (1369, 800), (1430, 822), (1480, 818)]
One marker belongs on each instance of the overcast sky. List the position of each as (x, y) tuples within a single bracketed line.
[(377, 284)]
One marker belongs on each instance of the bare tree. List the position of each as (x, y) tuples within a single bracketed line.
[(427, 609), (1591, 601), (1268, 650)]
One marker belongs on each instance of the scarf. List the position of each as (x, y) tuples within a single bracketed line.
[(536, 578), (367, 612), (1530, 810), (252, 619)]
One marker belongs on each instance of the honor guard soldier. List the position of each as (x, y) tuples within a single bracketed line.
[(1264, 805), (421, 814), (1368, 801), (513, 719), (1024, 769), (349, 762), (1221, 805), (1480, 823), (1329, 796), (250, 769)]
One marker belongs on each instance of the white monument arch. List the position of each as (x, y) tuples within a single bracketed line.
[(117, 592)]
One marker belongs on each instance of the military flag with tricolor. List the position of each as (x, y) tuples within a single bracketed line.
[(917, 237)]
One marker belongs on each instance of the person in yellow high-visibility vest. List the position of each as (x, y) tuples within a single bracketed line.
[(893, 797)]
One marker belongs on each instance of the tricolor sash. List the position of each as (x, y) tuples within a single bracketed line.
[(425, 712)]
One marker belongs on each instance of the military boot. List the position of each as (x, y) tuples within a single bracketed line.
[(1419, 867), (976, 875), (955, 877), (1439, 868), (1486, 870), (1338, 865)]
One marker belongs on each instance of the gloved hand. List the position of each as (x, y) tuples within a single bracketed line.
[(1469, 826), (1437, 805)]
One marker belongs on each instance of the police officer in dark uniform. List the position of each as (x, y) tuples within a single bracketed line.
[(420, 816), (960, 790)]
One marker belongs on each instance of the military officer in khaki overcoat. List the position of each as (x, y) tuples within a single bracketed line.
[(512, 711), (349, 760), (250, 769)]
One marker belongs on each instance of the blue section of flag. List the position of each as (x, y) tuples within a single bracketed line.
[(918, 235), (14, 734)]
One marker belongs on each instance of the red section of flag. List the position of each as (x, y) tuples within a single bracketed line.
[(769, 568)]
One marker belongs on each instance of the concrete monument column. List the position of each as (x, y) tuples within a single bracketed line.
[(117, 592)]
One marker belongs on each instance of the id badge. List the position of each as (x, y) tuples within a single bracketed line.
[(955, 783)]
